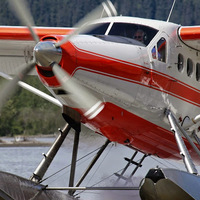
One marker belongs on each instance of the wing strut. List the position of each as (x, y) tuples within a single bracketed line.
[(33, 90)]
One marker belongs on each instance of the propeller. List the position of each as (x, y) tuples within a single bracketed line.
[(22, 12), (43, 55)]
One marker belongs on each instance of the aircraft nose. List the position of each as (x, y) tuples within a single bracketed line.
[(46, 53)]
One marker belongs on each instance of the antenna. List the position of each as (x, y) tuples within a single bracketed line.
[(171, 11)]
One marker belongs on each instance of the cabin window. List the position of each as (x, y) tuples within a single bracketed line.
[(189, 67), (180, 62), (161, 46), (198, 72)]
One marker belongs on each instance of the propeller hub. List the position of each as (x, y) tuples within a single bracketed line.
[(47, 53)]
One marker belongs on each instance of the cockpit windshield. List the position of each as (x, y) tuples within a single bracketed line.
[(141, 33), (127, 33), (96, 29)]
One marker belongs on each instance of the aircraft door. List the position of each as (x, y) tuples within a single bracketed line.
[(158, 57), (158, 54)]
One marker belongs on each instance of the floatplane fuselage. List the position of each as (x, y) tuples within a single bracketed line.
[(134, 81)]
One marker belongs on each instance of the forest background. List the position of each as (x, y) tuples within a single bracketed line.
[(27, 114)]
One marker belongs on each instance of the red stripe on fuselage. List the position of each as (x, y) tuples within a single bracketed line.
[(126, 71), (138, 74), (118, 124), (128, 129)]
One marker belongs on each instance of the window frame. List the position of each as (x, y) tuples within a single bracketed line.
[(158, 55), (198, 72)]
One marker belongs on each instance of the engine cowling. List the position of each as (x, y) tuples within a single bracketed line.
[(46, 53)]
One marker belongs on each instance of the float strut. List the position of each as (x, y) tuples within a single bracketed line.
[(99, 153), (139, 164), (101, 150), (196, 137), (74, 159), (46, 161), (176, 129)]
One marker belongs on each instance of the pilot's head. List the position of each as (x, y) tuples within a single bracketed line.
[(139, 35)]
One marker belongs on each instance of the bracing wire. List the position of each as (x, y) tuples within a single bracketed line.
[(68, 166), (163, 163), (97, 170), (100, 163), (78, 164), (106, 178)]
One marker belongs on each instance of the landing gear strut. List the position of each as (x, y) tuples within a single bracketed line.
[(48, 158), (73, 119)]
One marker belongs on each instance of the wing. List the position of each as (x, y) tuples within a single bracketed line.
[(16, 45), (190, 35)]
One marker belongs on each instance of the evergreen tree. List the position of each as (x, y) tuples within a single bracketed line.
[(26, 113), (68, 12)]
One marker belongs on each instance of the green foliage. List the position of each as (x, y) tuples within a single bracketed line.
[(28, 114)]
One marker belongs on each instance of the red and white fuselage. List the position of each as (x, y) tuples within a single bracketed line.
[(135, 81), (135, 84)]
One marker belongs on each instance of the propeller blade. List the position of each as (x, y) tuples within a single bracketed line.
[(82, 98), (99, 12), (11, 88), (21, 10), (112, 8)]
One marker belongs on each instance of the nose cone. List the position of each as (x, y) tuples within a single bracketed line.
[(46, 53)]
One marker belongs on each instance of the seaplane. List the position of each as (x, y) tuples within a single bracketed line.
[(135, 81)]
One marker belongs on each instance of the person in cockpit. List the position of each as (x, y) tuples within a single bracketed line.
[(139, 35)]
